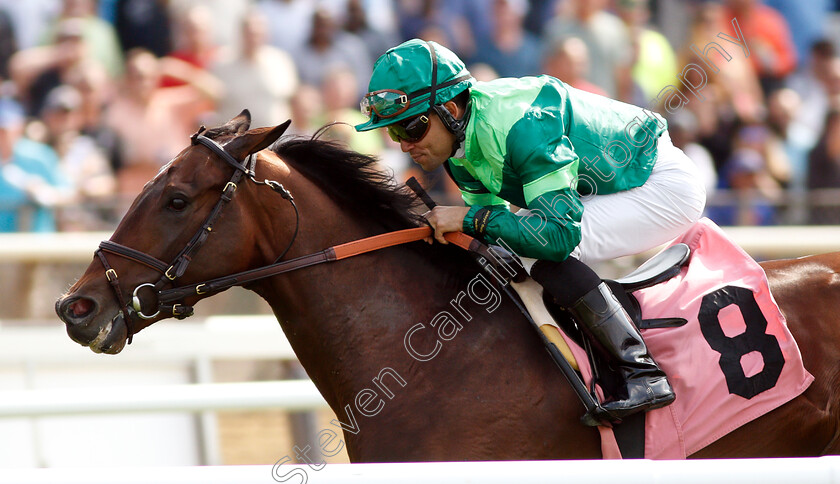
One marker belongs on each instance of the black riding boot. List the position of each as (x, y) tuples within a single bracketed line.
[(607, 324)]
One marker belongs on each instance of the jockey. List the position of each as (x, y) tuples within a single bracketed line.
[(595, 178)]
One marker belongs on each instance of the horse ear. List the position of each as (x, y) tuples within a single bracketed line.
[(255, 140), (240, 123)]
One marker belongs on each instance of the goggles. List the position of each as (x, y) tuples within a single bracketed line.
[(411, 130), (386, 103)]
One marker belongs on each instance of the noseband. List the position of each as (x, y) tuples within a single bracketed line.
[(171, 272)]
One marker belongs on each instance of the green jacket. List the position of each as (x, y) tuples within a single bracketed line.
[(539, 143)]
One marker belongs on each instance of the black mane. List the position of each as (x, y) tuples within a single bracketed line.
[(355, 182)]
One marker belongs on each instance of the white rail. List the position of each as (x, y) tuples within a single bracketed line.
[(58, 247), (779, 241), (32, 358), (217, 337), (291, 395), (822, 470), (221, 337)]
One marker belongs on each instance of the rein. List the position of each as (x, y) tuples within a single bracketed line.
[(331, 254)]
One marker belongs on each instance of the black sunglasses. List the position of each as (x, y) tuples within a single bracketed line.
[(411, 130)]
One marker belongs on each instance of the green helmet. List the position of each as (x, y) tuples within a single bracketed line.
[(402, 82)]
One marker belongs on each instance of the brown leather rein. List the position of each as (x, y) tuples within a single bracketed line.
[(169, 301)]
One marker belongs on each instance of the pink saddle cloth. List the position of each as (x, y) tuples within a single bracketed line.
[(734, 361)]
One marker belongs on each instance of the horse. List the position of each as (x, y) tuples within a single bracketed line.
[(417, 355)]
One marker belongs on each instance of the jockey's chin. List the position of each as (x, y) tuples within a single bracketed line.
[(426, 162)]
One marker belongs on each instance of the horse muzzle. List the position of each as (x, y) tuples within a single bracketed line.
[(79, 314)]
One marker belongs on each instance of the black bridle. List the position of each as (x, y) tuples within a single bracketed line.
[(171, 306)]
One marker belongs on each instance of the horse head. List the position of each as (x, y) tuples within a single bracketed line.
[(171, 220)]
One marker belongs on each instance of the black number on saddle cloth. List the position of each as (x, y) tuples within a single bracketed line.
[(732, 349)]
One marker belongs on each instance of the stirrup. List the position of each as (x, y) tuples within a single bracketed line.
[(599, 417)]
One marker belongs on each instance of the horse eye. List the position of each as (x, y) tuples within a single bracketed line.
[(177, 204)]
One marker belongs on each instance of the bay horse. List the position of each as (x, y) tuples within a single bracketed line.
[(417, 356)]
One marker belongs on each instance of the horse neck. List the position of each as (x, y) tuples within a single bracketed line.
[(343, 318)]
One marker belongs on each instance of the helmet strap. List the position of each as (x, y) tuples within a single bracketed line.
[(455, 126)]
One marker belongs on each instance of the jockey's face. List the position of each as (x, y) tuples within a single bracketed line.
[(434, 148)]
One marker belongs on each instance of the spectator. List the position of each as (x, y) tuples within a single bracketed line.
[(811, 84), (380, 15), (539, 12), (153, 123), (8, 43), (755, 172), (783, 106), (682, 126), (606, 39), (307, 111), (38, 70), (732, 94), (474, 22), (260, 77), (296, 18), (510, 50), (338, 91), (807, 22), (144, 23), (356, 23), (96, 90), (31, 18), (329, 48), (772, 54), (654, 61), (226, 16), (195, 44), (483, 72), (782, 110), (31, 183), (445, 18), (99, 36), (824, 159), (568, 60), (80, 160)]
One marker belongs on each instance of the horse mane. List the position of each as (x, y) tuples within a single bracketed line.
[(353, 180), (350, 178), (357, 183)]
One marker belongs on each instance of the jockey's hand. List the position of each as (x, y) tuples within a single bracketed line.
[(446, 219)]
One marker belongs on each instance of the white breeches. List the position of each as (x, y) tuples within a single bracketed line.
[(636, 220)]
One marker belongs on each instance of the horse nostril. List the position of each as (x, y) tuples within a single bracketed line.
[(72, 310), (80, 308)]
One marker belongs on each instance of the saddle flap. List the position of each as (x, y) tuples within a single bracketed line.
[(658, 268)]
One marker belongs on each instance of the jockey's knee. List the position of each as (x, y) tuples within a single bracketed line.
[(565, 281)]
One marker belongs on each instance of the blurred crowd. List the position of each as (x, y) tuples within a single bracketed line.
[(96, 96)]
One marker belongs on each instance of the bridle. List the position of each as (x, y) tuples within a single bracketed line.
[(174, 270), (170, 301)]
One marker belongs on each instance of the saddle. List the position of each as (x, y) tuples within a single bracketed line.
[(724, 295), (657, 269), (544, 311)]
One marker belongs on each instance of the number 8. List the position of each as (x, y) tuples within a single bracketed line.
[(732, 349)]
